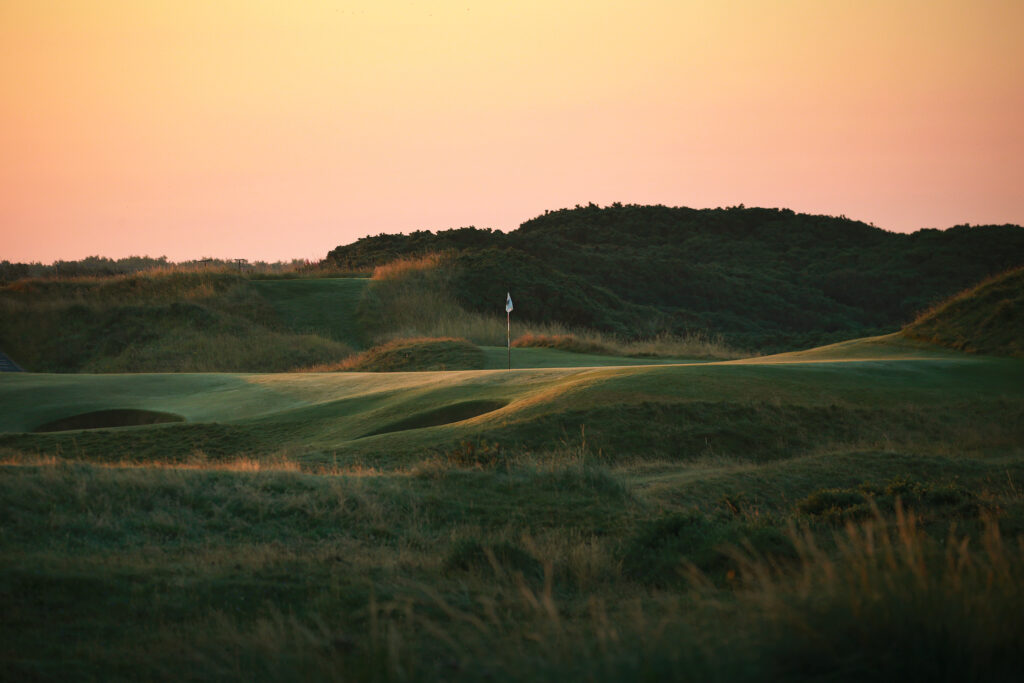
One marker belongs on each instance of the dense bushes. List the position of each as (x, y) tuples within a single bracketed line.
[(763, 278)]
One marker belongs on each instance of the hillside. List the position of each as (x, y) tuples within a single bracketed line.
[(161, 322), (762, 278), (987, 318)]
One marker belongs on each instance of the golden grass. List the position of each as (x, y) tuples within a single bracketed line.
[(199, 461), (402, 267), (411, 297), (694, 345), (409, 354)]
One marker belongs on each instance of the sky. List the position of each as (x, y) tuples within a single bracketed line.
[(279, 130)]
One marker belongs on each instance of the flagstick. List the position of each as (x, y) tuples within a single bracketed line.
[(508, 322)]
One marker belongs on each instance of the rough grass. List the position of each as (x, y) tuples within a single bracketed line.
[(411, 297), (163, 321), (987, 318), (697, 345), (317, 306), (408, 355), (527, 571)]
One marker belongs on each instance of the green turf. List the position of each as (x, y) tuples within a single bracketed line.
[(756, 407), (323, 306)]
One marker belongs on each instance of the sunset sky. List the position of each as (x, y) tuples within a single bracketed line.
[(278, 130)]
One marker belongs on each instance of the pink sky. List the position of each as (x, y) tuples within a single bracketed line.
[(278, 130)]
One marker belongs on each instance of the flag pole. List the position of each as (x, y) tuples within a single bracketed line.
[(508, 328)]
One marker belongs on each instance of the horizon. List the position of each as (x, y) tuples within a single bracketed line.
[(258, 131), (271, 261)]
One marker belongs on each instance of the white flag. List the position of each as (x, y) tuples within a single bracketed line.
[(508, 302)]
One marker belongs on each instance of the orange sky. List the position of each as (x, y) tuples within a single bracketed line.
[(277, 130)]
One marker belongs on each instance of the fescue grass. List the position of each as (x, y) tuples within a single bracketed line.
[(987, 318), (520, 571), (411, 297), (406, 355), (696, 345), (166, 321)]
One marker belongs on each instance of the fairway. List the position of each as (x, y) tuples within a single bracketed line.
[(345, 416)]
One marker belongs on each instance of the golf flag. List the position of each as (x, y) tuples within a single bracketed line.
[(508, 302)]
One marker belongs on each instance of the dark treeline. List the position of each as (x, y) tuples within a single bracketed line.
[(764, 278), (99, 266)]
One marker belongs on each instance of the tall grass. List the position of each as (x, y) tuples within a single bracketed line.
[(412, 297), (161, 320), (888, 604), (516, 570)]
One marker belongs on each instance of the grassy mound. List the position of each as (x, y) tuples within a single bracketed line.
[(152, 322), (104, 419), (988, 318), (456, 412), (411, 355)]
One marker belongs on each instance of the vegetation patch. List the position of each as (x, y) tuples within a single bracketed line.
[(563, 342), (662, 550), (768, 279), (412, 355), (987, 318), (869, 500), (102, 419), (491, 558), (152, 322)]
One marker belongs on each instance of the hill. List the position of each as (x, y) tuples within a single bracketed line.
[(161, 322), (987, 318), (762, 278)]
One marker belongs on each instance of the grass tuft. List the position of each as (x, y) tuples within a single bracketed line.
[(409, 355)]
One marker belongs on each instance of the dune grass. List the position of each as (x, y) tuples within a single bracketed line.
[(987, 318), (549, 569), (411, 297), (406, 355), (163, 321)]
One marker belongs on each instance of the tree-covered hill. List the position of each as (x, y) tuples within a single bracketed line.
[(764, 278)]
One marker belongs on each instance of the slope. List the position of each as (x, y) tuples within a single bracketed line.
[(320, 306), (987, 318), (159, 321)]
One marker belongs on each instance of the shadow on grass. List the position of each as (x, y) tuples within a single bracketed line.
[(456, 412), (105, 419)]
